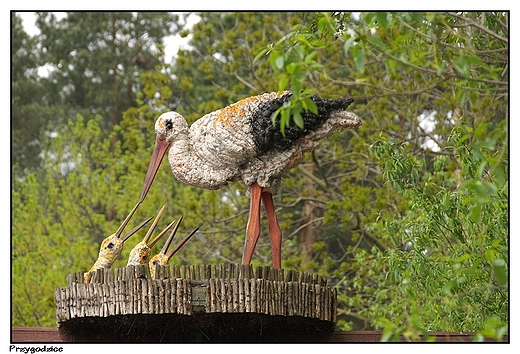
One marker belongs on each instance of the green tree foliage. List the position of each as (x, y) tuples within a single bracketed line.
[(94, 60), (420, 187), (219, 68), (407, 219), (98, 54), (451, 268), (69, 174), (56, 219), (27, 91)]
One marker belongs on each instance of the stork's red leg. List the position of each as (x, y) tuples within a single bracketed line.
[(275, 233), (253, 224)]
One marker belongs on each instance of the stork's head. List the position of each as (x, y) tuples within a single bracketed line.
[(140, 254), (163, 257), (169, 127), (158, 259), (112, 246), (110, 249)]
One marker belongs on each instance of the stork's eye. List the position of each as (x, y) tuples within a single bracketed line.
[(110, 245), (169, 124), (154, 263)]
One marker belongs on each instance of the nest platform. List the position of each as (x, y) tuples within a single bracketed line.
[(198, 303)]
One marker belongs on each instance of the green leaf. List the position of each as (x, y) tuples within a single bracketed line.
[(461, 66), (475, 213), (376, 43), (308, 92), (391, 64), (275, 115), (416, 320), (298, 120), (347, 45), (284, 120), (489, 144), (310, 57), (403, 55), (273, 57), (446, 289), (474, 96), (489, 255), (499, 174), (279, 61), (282, 82), (491, 188), (309, 105), (500, 271), (298, 51), (388, 331), (260, 54), (397, 41), (382, 19), (481, 129), (359, 58), (318, 43), (480, 191), (441, 67), (473, 59), (461, 96), (417, 16), (290, 68), (295, 88)]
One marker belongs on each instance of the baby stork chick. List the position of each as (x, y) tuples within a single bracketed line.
[(162, 258), (112, 246), (140, 254)]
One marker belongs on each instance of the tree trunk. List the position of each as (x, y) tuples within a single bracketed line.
[(307, 232)]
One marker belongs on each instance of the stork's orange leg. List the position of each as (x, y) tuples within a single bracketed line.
[(275, 233), (253, 224)]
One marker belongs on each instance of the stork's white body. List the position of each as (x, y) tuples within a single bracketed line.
[(240, 143), (219, 147)]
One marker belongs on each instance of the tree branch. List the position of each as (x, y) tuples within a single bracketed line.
[(480, 27), (311, 176)]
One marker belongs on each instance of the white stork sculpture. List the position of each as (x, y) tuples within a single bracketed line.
[(240, 143)]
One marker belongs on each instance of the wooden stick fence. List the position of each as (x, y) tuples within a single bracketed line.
[(184, 290)]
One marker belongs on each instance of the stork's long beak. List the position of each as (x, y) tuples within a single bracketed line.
[(170, 238), (135, 229), (158, 153), (178, 247), (154, 225), (125, 222)]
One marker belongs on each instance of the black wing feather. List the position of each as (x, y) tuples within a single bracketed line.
[(268, 136)]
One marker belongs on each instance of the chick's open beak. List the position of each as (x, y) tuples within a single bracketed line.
[(178, 247), (170, 238), (135, 229), (125, 222), (163, 232), (154, 225)]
